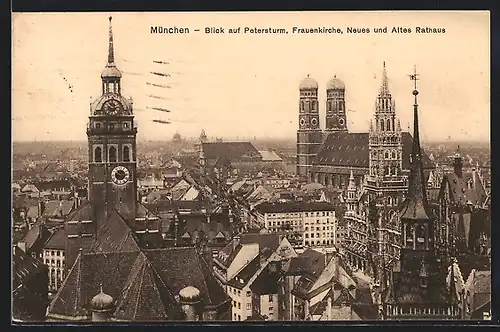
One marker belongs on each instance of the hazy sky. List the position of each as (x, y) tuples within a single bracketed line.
[(247, 85)]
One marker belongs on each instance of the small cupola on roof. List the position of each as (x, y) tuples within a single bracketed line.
[(308, 83), (190, 301), (102, 306), (111, 71), (335, 84)]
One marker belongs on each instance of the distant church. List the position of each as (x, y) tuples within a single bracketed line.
[(329, 156)]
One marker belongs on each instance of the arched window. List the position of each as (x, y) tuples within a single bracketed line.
[(386, 170), (98, 155), (313, 105), (386, 154), (395, 170), (393, 155), (112, 154), (126, 153), (301, 105), (382, 123), (388, 125)]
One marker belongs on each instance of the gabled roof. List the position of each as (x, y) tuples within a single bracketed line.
[(269, 155), (24, 266), (267, 282), (57, 240), (58, 208), (462, 193), (270, 241), (36, 236), (312, 264), (114, 235), (351, 150), (230, 150), (143, 283), (241, 279)]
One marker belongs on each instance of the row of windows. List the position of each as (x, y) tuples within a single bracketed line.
[(318, 228), (318, 235), (324, 221), (52, 262), (313, 105), (112, 154), (338, 105), (318, 242), (57, 253)]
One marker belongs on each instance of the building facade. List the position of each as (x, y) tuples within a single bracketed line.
[(312, 224)]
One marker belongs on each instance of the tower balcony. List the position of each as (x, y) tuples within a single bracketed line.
[(111, 131)]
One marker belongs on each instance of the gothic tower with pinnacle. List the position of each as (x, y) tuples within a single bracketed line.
[(309, 135), (112, 147), (385, 183)]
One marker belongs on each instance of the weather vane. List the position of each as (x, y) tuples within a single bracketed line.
[(414, 76)]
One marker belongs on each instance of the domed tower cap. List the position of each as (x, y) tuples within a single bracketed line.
[(335, 84), (308, 83), (189, 295), (102, 302)]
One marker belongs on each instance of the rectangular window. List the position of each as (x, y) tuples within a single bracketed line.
[(271, 297), (249, 294), (249, 306), (239, 305), (271, 309), (58, 253)]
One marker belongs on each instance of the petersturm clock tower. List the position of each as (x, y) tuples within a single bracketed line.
[(112, 148)]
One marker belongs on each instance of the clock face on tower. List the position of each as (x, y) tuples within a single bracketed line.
[(120, 175), (112, 107)]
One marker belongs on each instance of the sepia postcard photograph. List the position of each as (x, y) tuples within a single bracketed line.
[(251, 166)]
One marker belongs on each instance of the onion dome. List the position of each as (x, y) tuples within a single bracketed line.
[(308, 83), (177, 137), (102, 302), (189, 295), (335, 84)]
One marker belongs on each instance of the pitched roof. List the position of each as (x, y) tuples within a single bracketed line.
[(461, 192), (114, 235), (24, 266), (143, 284), (230, 150), (351, 150), (36, 236), (53, 185), (312, 264), (267, 282), (270, 241), (269, 155), (241, 278), (57, 240)]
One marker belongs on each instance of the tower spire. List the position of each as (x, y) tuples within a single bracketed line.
[(111, 51), (415, 206), (384, 88)]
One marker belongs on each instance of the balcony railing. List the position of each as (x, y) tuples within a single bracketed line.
[(115, 130)]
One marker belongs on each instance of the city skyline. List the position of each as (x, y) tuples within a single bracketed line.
[(253, 84)]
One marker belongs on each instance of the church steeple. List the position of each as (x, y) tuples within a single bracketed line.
[(111, 74), (416, 206), (111, 51)]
